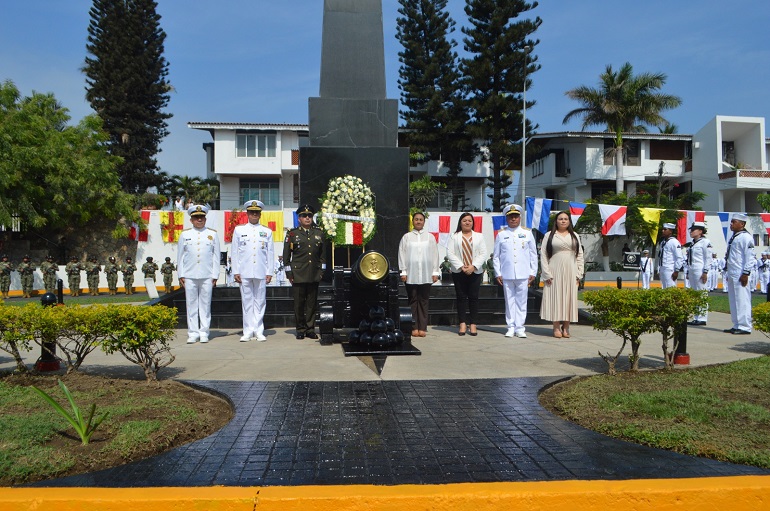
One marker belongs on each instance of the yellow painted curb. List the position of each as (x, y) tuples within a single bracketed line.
[(743, 493)]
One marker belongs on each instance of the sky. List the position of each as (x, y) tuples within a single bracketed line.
[(259, 60)]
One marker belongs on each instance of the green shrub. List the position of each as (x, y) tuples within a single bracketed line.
[(16, 333), (760, 317)]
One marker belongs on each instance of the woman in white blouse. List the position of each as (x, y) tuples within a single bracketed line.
[(467, 253), (418, 262)]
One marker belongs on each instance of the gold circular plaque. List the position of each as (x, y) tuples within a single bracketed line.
[(373, 266)]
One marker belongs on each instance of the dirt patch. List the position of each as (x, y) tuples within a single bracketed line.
[(171, 413)]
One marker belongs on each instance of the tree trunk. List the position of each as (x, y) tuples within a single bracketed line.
[(619, 183)]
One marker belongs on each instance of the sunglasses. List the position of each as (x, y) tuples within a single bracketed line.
[(305, 215)]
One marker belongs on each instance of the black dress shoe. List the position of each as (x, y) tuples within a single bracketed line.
[(729, 331), (300, 336), (738, 331), (311, 335)]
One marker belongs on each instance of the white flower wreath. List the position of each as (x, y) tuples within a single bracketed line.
[(347, 212)]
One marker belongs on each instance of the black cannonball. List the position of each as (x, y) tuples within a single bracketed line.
[(364, 325), (365, 338), (378, 326), (391, 338), (400, 337), (390, 324), (354, 337), (376, 312), (380, 339)]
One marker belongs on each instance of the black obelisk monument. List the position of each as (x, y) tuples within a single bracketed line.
[(353, 127)]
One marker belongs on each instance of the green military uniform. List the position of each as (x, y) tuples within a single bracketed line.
[(27, 272), (149, 268), (73, 270), (304, 254), (111, 269), (167, 270), (92, 276), (6, 267), (128, 270), (48, 268)]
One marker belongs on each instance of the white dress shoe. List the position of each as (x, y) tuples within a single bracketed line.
[(509, 333), (204, 339), (261, 338), (192, 340), (246, 337), (521, 335)]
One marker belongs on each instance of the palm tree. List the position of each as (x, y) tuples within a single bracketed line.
[(186, 186), (624, 103)]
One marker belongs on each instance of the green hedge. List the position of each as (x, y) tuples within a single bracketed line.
[(142, 334)]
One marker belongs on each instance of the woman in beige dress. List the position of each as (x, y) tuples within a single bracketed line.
[(561, 268)]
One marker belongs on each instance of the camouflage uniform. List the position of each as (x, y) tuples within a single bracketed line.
[(48, 268), (92, 276), (128, 270), (6, 267), (73, 270), (167, 270), (149, 268), (111, 269), (27, 272)]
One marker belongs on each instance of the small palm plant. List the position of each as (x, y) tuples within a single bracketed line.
[(85, 426)]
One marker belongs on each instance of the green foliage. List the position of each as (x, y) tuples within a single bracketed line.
[(630, 313), (84, 425), (142, 335), (436, 114), (81, 330), (496, 72), (54, 175), (15, 333), (126, 84), (422, 191), (760, 318)]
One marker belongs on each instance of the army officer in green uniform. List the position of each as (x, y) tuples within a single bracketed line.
[(49, 268), (304, 255), (6, 267), (27, 271)]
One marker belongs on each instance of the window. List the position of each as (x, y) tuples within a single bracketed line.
[(630, 152), (266, 190), (255, 146)]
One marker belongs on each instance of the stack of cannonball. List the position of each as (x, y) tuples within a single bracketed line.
[(377, 331)]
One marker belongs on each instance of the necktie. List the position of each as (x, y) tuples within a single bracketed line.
[(467, 251)]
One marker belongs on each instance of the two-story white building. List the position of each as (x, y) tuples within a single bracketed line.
[(726, 160)]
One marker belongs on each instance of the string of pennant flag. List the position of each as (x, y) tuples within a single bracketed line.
[(614, 218)]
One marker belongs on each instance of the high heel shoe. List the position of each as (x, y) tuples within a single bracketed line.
[(473, 331), (557, 334), (565, 334), (462, 330)]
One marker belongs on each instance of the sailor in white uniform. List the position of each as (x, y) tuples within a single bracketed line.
[(515, 260), (738, 262), (198, 270), (253, 255), (699, 261), (645, 268), (670, 260)]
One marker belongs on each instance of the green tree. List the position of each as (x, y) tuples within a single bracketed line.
[(496, 74), (54, 175), (126, 85), (421, 192), (436, 114), (625, 103)]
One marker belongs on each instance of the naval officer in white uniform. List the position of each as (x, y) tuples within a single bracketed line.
[(515, 260), (198, 270), (738, 263), (253, 254), (670, 259), (699, 261)]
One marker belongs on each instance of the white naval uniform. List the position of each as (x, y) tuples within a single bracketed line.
[(253, 256), (740, 252), (645, 267), (764, 274), (754, 277), (699, 260), (198, 263), (669, 260), (713, 280), (515, 260)]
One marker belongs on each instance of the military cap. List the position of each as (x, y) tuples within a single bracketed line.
[(149, 259), (168, 259), (741, 217), (698, 225), (669, 226), (512, 209), (198, 210), (305, 208), (254, 205)]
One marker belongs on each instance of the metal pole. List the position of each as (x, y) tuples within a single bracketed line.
[(522, 182)]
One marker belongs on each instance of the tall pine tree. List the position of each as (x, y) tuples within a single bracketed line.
[(435, 111), (126, 84), (499, 45)]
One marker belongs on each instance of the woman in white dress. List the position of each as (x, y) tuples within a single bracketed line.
[(418, 262), (561, 268)]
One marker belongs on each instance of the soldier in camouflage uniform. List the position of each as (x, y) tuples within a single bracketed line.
[(27, 272), (48, 268), (167, 270), (111, 269), (92, 276), (128, 270), (73, 270), (6, 267), (149, 268)]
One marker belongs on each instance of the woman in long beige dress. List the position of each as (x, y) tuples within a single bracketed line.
[(561, 268)]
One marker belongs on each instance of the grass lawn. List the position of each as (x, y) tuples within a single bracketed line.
[(720, 412)]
